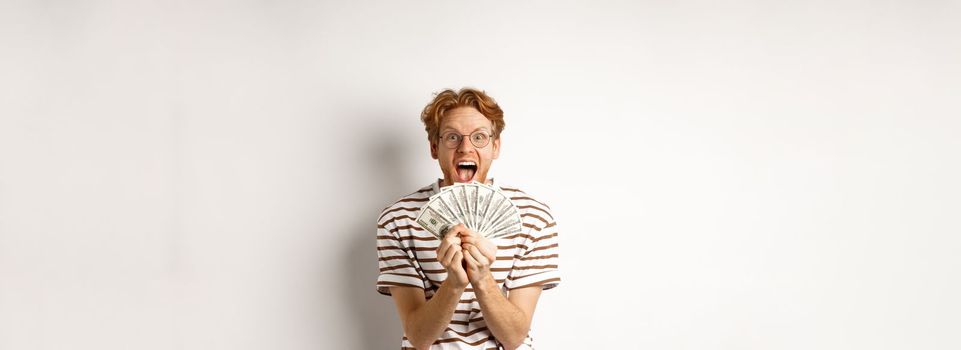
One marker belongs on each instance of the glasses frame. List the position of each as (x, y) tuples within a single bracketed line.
[(460, 139)]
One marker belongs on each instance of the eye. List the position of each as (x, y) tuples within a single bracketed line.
[(450, 137), (479, 137)]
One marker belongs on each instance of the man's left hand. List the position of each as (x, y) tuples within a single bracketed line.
[(486, 247), (479, 254), (478, 267)]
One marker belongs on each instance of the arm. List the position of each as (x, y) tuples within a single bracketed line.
[(425, 320), (508, 318)]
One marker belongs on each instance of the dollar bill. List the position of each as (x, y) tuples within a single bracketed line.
[(482, 208), (460, 200), (509, 226), (449, 202), (433, 222), (484, 195), (442, 209), (499, 204), (470, 196)]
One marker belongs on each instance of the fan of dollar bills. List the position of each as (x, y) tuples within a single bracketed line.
[(481, 208)]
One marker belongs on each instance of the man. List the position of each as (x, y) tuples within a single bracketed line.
[(465, 291)]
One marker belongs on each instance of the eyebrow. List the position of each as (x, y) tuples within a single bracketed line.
[(484, 128)]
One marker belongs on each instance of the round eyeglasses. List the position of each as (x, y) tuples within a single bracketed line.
[(479, 139)]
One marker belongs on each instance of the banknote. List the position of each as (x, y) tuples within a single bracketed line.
[(482, 208), (484, 194), (433, 221)]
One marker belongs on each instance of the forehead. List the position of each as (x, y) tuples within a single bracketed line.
[(464, 119)]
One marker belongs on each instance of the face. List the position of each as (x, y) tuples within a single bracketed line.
[(465, 162)]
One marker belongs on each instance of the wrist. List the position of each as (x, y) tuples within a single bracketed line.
[(455, 286), (484, 284)]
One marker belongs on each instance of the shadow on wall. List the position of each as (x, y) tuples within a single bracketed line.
[(383, 174)]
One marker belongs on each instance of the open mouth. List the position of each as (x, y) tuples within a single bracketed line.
[(466, 171)]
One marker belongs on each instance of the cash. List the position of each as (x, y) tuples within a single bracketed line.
[(482, 208)]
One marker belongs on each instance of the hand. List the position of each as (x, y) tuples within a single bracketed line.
[(451, 256), (478, 265), (486, 252), (486, 247)]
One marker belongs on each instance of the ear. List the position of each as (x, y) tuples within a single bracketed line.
[(433, 148), (497, 147)]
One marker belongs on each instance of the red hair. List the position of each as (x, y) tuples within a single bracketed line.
[(467, 97)]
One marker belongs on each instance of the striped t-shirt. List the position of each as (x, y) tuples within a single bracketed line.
[(406, 256)]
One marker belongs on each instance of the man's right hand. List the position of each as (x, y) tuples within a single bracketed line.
[(450, 255)]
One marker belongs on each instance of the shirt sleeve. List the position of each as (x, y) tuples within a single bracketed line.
[(538, 266), (397, 266)]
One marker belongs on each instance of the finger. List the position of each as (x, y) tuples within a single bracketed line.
[(466, 248), (450, 256), (466, 232), (477, 255), (469, 258), (489, 250), (453, 231), (456, 229), (441, 256), (450, 231), (456, 262), (452, 235), (442, 249), (468, 239), (446, 245)]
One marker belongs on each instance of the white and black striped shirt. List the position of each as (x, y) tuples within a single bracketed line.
[(406, 257)]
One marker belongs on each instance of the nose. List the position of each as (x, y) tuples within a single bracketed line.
[(465, 146)]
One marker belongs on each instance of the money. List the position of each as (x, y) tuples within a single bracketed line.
[(481, 208), (484, 195), (433, 221)]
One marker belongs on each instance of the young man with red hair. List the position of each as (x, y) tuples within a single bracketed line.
[(465, 291)]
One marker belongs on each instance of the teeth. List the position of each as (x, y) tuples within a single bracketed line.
[(467, 163)]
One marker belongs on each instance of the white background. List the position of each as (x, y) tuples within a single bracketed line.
[(726, 175)]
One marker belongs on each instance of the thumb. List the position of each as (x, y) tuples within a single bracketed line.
[(458, 258), (470, 259)]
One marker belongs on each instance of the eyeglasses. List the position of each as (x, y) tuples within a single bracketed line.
[(479, 139)]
